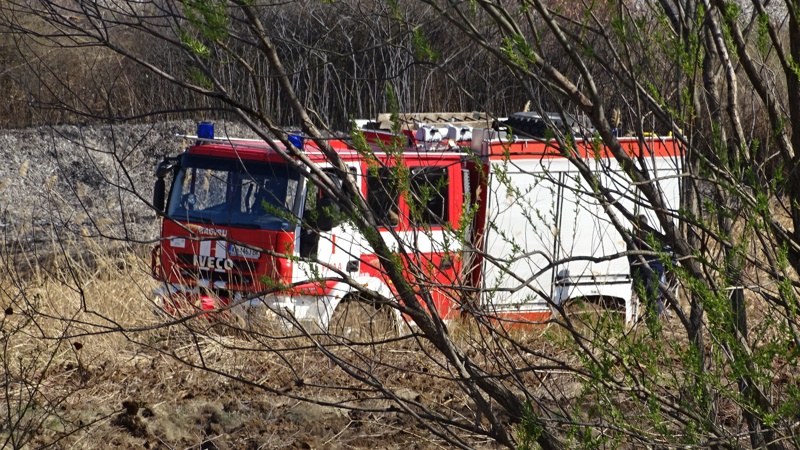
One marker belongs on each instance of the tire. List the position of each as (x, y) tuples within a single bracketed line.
[(359, 321)]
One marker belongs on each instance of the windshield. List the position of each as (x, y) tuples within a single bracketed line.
[(230, 192)]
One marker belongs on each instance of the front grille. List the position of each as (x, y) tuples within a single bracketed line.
[(187, 259), (240, 274)]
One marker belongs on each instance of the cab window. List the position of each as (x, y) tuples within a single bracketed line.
[(383, 195), (427, 200)]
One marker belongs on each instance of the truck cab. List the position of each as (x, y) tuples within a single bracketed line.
[(243, 229)]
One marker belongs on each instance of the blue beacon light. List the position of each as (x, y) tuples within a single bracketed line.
[(296, 140), (205, 130)]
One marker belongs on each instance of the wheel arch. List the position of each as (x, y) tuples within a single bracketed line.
[(344, 292)]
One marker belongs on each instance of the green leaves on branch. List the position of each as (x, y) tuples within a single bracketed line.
[(208, 23), (197, 77), (763, 42), (732, 12), (208, 17), (530, 429), (423, 49), (194, 45), (518, 51)]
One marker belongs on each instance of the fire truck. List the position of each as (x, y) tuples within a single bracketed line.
[(483, 219)]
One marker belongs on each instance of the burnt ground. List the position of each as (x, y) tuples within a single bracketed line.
[(160, 385), (75, 182), (146, 399)]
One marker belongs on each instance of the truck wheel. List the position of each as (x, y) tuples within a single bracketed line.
[(360, 321)]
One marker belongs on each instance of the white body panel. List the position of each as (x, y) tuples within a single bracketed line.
[(549, 240)]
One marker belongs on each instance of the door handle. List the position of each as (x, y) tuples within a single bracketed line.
[(446, 263)]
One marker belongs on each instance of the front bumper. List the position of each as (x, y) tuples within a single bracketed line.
[(311, 312)]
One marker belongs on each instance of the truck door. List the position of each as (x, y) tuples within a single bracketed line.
[(433, 206), (324, 239), (523, 204), (418, 208)]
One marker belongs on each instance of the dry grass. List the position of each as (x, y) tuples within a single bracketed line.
[(87, 364)]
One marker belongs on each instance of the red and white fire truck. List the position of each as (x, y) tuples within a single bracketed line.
[(502, 224)]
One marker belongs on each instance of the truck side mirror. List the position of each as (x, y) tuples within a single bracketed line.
[(159, 194), (166, 166)]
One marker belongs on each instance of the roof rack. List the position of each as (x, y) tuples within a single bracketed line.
[(413, 121)]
